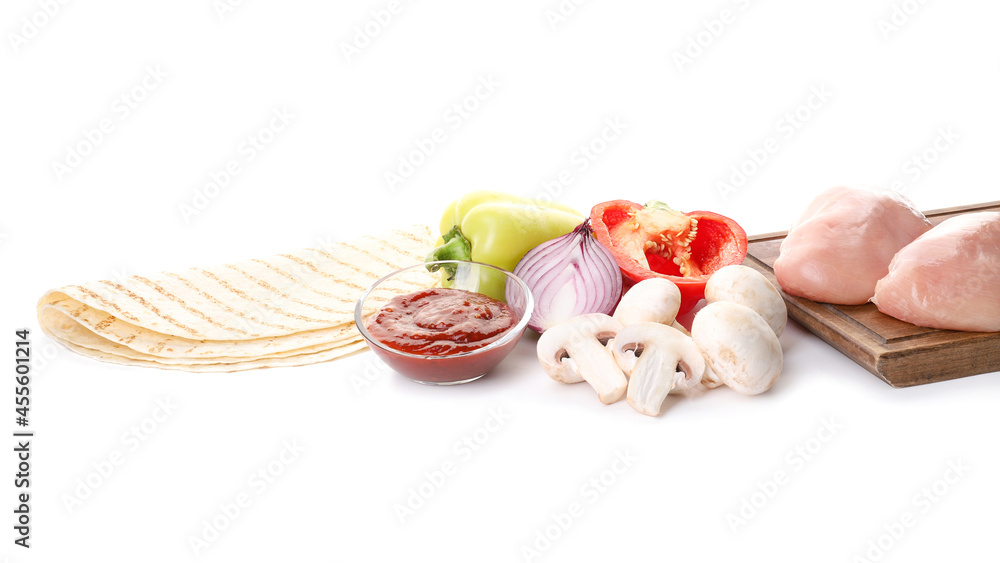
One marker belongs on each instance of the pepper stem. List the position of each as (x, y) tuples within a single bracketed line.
[(659, 205), (455, 247)]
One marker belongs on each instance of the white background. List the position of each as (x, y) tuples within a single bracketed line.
[(322, 178)]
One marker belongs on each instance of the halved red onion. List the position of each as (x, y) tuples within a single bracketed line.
[(569, 276)]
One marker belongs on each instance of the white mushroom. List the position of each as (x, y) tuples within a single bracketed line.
[(746, 286), (679, 327), (661, 359), (579, 350), (709, 380), (654, 300), (739, 347)]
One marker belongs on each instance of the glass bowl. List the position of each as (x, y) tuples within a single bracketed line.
[(457, 368)]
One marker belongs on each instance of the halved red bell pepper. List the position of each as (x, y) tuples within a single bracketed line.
[(654, 241)]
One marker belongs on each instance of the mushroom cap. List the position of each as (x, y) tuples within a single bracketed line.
[(709, 380), (739, 346), (746, 286), (654, 300)]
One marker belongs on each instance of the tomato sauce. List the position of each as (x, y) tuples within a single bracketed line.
[(441, 322)]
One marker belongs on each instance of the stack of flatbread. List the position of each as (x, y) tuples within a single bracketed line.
[(287, 310)]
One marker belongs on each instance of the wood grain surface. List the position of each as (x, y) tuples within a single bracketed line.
[(900, 353)]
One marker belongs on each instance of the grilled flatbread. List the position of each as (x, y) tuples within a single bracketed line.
[(290, 309)]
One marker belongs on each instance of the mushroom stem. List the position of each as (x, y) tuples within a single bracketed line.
[(665, 360), (580, 350)]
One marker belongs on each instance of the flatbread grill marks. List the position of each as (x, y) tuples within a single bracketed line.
[(152, 308), (289, 276), (101, 300), (222, 305), (269, 307), (197, 312)]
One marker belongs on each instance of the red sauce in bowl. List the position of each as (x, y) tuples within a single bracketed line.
[(441, 322)]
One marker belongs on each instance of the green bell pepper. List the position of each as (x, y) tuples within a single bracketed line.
[(499, 229)]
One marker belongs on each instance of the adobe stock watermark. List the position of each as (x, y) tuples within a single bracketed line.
[(561, 12), (922, 502), (583, 157), (899, 16), (225, 7), (122, 107), (31, 25), (696, 44), (132, 439), (590, 492), (246, 152), (454, 118), (916, 165), (785, 128), (794, 462), (42, 356), (462, 450), (365, 33), (257, 483), (373, 369)]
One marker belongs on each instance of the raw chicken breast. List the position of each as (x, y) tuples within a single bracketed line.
[(842, 244), (948, 278)]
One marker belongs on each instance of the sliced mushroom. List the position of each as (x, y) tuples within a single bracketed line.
[(659, 359), (579, 350), (654, 300), (681, 328), (746, 286), (739, 347)]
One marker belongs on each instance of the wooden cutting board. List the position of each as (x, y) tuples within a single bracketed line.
[(900, 353)]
